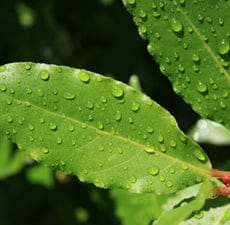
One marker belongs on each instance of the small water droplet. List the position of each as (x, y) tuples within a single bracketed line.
[(84, 76), (31, 127), (176, 25), (200, 18), (160, 138), (153, 171), (131, 2), (9, 119), (202, 87), (224, 47), (100, 125), (221, 21), (27, 66), (44, 75), (45, 150), (173, 144), (117, 92), (71, 128), (195, 58), (150, 130), (69, 96), (130, 120), (135, 106), (222, 105), (53, 126), (199, 155), (3, 87), (169, 184), (199, 215), (90, 105), (59, 141), (117, 116), (184, 167), (142, 14), (103, 99), (162, 178)]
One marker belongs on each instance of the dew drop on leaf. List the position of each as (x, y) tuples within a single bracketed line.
[(169, 184), (131, 2), (44, 75), (53, 126), (135, 106), (117, 92), (199, 155), (69, 96), (224, 47), (100, 125), (201, 87), (162, 178), (3, 87), (45, 150), (160, 138), (176, 25), (133, 179), (153, 171), (117, 116), (195, 58), (84, 77)]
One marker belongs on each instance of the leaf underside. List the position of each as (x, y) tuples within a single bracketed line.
[(191, 42), (99, 129)]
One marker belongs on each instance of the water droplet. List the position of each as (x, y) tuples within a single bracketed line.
[(142, 14), (44, 75), (222, 105), (135, 106), (69, 96), (84, 76), (176, 25), (162, 148), (103, 99), (169, 184), (133, 179), (153, 171), (150, 130), (195, 58), (160, 138), (162, 178), (181, 68), (184, 167), (199, 155), (172, 170), (100, 125), (3, 87), (31, 127), (156, 14), (130, 119), (201, 87), (9, 119), (27, 66), (90, 117), (53, 126), (117, 116), (59, 141), (117, 92), (200, 18), (71, 128), (40, 93), (101, 148), (90, 105), (45, 150), (173, 144), (221, 21), (142, 30), (224, 47), (199, 215)]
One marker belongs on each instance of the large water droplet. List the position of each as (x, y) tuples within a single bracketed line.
[(224, 47), (201, 87), (117, 92), (44, 75), (176, 25), (199, 155), (84, 76), (69, 96), (153, 171)]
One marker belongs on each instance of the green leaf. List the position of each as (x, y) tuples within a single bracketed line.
[(206, 131), (177, 215), (191, 42), (10, 162), (215, 211), (135, 209), (99, 129)]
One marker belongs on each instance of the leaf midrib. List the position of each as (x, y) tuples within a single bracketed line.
[(147, 149), (206, 46)]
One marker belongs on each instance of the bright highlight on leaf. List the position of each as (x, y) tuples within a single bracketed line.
[(101, 130)]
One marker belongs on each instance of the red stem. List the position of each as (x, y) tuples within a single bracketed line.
[(220, 174), (223, 191)]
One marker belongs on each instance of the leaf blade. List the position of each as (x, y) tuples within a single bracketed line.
[(79, 121)]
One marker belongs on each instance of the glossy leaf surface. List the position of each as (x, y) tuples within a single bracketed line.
[(97, 128), (191, 42)]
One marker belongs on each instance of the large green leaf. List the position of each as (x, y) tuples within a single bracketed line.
[(97, 128), (191, 42)]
